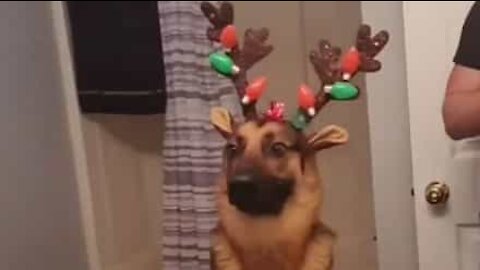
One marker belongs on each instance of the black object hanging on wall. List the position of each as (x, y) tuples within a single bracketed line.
[(118, 56)]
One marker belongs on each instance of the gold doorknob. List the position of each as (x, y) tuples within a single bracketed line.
[(437, 193)]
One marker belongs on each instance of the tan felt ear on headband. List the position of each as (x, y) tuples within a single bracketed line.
[(327, 137), (222, 120)]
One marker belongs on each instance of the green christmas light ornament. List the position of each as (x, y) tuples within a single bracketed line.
[(223, 64)]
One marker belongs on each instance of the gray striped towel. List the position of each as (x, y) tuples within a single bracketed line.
[(192, 148)]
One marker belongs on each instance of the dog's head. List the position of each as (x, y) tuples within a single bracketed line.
[(264, 160), (265, 154)]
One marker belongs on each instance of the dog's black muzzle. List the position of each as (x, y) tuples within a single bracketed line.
[(256, 195)]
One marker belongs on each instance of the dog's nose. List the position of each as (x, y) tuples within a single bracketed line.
[(241, 187), (242, 178)]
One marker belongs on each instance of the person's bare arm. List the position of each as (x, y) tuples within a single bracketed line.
[(461, 109)]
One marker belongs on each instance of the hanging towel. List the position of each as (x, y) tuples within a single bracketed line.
[(118, 56), (192, 148)]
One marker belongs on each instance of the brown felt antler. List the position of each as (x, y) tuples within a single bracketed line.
[(335, 71), (369, 47), (253, 50), (327, 68), (218, 17)]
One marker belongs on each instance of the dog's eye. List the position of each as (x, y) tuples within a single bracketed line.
[(231, 149), (278, 150)]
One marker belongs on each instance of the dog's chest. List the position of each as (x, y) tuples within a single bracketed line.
[(269, 244), (268, 259), (272, 255)]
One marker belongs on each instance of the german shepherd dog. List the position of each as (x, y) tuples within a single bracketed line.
[(269, 196)]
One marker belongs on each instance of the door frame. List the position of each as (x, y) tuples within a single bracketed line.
[(65, 61), (389, 122)]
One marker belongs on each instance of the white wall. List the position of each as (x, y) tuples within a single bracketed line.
[(40, 225), (390, 147)]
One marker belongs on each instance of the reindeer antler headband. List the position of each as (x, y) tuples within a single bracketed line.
[(334, 70)]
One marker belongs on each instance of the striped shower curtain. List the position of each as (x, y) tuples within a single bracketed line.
[(192, 148)]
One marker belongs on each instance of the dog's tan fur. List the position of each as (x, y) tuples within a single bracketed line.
[(294, 240)]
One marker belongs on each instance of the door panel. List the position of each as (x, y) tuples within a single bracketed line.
[(124, 163), (469, 247), (448, 234)]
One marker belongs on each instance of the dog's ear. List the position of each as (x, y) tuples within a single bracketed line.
[(327, 137), (222, 120)]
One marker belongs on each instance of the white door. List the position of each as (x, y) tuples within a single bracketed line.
[(449, 234)]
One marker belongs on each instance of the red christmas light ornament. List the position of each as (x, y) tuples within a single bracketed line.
[(306, 99), (228, 37), (350, 63), (255, 90), (276, 112)]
